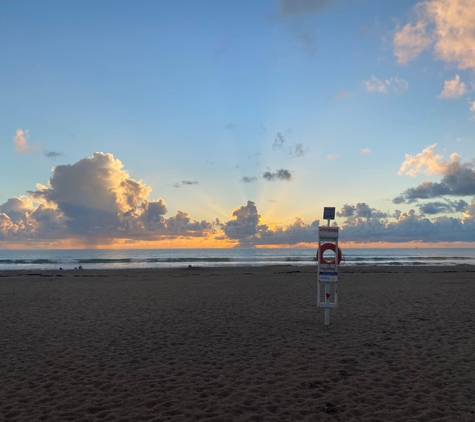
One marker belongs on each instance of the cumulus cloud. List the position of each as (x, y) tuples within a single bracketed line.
[(438, 207), (21, 142), (281, 174), (360, 210), (289, 8), (246, 228), (426, 161), (409, 227), (94, 198), (365, 151), (458, 177), (393, 85), (446, 25), (362, 223), (453, 89)]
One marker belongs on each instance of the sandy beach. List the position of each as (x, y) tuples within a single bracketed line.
[(237, 344)]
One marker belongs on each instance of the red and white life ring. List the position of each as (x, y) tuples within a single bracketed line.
[(329, 246)]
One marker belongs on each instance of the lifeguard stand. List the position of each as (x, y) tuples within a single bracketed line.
[(328, 270)]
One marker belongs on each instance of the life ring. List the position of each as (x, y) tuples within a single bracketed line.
[(329, 246)]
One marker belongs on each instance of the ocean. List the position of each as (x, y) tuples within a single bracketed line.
[(169, 258)]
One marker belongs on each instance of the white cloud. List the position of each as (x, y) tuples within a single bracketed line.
[(410, 41), (21, 143), (365, 151), (427, 162), (448, 25), (458, 177), (94, 198), (393, 84), (453, 89)]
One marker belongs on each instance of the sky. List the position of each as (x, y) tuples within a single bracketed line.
[(129, 124)]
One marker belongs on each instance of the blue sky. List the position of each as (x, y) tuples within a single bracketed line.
[(203, 102)]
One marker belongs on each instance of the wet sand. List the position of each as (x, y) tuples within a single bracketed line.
[(237, 344)]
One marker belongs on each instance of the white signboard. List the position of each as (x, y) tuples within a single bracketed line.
[(331, 276), (328, 232)]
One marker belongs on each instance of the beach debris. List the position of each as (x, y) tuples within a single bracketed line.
[(329, 408)]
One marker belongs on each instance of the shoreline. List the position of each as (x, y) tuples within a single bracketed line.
[(346, 269), (237, 343)]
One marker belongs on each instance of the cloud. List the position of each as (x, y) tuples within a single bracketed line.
[(362, 224), (288, 8), (410, 41), (298, 150), (340, 95), (333, 156), (458, 176), (365, 151), (453, 89), (248, 179), (447, 25), (281, 174), (472, 109), (246, 228), (185, 183), (393, 84), (53, 154), (94, 198), (21, 143), (409, 227), (438, 207), (244, 224), (229, 126), (426, 161), (279, 140), (360, 210)]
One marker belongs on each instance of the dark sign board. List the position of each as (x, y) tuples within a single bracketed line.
[(329, 213)]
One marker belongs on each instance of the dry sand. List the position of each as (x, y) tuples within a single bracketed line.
[(237, 344)]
